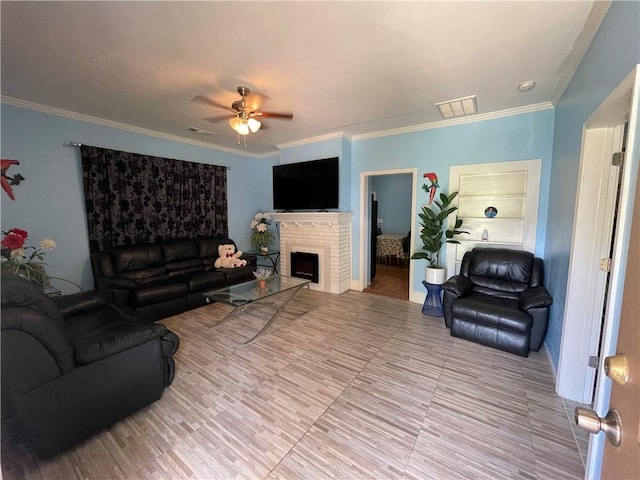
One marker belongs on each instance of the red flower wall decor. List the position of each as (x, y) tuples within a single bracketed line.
[(5, 180)]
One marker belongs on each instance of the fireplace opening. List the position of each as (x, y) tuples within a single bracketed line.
[(304, 265)]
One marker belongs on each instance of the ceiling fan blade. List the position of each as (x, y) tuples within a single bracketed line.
[(219, 118), (211, 103), (279, 115), (254, 100)]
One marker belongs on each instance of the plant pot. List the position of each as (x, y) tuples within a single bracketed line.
[(264, 250), (262, 284), (435, 275)]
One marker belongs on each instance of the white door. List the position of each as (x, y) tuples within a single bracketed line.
[(623, 104), (591, 250)]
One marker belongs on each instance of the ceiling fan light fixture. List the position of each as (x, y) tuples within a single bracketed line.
[(458, 107), (254, 125), (243, 128), (239, 125)]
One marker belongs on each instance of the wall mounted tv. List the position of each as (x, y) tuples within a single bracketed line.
[(310, 185)]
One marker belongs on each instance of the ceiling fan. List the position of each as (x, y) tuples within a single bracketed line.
[(246, 117)]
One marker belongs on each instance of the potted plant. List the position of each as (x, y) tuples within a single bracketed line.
[(17, 259), (262, 274), (261, 237), (433, 234)]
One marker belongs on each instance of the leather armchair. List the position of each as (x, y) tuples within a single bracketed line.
[(498, 300), (73, 365)]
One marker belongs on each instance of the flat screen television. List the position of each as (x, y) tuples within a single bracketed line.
[(310, 185)]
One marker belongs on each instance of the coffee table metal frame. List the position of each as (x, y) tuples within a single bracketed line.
[(242, 295)]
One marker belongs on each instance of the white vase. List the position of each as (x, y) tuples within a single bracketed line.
[(435, 275)]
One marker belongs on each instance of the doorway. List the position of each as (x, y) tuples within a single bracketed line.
[(584, 328), (390, 275), (595, 265)]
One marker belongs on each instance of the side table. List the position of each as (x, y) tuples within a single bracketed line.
[(433, 303), (270, 259)]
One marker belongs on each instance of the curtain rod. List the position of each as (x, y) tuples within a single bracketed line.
[(76, 144)]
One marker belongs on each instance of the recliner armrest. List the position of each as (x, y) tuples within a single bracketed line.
[(458, 285), (79, 302), (535, 297)]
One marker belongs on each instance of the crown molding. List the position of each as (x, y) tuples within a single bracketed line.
[(123, 126), (537, 107), (316, 139), (305, 141)]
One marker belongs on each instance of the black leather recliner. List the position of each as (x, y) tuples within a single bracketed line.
[(498, 300), (73, 365)]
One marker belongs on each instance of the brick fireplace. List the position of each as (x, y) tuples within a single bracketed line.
[(327, 234)]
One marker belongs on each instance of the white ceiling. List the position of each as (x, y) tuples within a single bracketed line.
[(355, 67)]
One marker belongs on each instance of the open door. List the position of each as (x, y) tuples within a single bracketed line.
[(621, 424), (623, 104), (374, 236), (623, 461), (598, 247)]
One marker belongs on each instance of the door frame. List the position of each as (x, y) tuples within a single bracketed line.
[(365, 234), (622, 104)]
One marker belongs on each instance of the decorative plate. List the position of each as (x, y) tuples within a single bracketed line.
[(490, 212)]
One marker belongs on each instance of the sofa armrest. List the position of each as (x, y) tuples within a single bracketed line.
[(70, 408), (535, 297), (458, 285), (117, 282), (250, 258), (79, 302)]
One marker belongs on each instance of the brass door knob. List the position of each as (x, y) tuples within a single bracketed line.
[(590, 421), (617, 369)]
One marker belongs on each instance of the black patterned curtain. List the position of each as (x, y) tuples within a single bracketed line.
[(132, 198)]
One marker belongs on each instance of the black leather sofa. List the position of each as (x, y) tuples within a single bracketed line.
[(498, 300), (73, 365), (158, 280)]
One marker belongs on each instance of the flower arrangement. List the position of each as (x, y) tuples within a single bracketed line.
[(432, 234), (262, 273), (17, 259), (261, 236)]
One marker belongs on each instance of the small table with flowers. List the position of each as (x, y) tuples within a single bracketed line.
[(270, 258)]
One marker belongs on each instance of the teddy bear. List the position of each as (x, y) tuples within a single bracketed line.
[(228, 257)]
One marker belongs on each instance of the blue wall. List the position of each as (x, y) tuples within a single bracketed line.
[(614, 52), (393, 193), (518, 137), (50, 202)]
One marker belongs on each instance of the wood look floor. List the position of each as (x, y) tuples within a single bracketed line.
[(390, 281), (349, 386)]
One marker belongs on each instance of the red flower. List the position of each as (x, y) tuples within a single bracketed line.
[(13, 241), (18, 231)]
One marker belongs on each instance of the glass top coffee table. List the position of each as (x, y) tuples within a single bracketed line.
[(244, 294)]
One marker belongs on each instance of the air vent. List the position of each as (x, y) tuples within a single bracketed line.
[(200, 131), (458, 107)]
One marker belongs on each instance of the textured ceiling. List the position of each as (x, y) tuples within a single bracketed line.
[(355, 67)]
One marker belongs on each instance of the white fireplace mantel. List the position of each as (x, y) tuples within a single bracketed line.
[(327, 234), (311, 217)]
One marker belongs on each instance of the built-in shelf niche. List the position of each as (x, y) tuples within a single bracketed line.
[(512, 188)]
